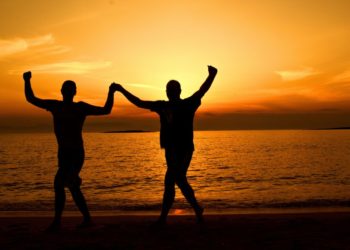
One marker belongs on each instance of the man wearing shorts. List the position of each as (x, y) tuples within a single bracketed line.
[(68, 119), (176, 137)]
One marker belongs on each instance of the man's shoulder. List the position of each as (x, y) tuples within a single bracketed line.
[(83, 106), (161, 102), (54, 101), (81, 103), (157, 105), (52, 104), (194, 99)]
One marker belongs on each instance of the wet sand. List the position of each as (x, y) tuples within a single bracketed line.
[(329, 230)]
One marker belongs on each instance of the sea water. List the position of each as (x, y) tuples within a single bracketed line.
[(229, 170)]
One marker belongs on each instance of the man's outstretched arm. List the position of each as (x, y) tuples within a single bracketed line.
[(31, 98), (134, 99), (207, 83), (107, 108)]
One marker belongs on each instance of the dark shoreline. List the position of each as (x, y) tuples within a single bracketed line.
[(240, 231)]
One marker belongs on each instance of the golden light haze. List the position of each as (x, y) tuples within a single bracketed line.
[(284, 58)]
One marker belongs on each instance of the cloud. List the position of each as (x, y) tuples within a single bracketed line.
[(9, 47), (292, 75), (73, 67), (342, 77), (53, 50), (41, 40)]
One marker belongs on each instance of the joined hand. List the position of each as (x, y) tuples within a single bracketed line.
[(115, 87)]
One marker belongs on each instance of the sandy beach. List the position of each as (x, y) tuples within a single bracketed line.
[(327, 230)]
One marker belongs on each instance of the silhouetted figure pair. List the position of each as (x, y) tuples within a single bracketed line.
[(68, 118), (176, 137)]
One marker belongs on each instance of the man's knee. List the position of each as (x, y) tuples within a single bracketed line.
[(169, 185), (169, 182), (169, 192), (182, 183), (180, 177), (63, 180), (59, 182)]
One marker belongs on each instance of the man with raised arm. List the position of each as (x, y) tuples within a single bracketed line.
[(176, 137), (68, 119)]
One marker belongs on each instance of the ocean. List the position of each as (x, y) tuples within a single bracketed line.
[(230, 170)]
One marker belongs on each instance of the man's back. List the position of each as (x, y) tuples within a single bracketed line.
[(68, 122), (68, 116), (176, 119)]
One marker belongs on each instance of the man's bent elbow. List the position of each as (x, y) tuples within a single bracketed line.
[(30, 99)]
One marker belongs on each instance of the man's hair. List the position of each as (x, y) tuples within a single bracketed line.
[(69, 88), (173, 89), (173, 84)]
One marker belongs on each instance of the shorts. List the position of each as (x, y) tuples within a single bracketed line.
[(70, 163), (178, 159)]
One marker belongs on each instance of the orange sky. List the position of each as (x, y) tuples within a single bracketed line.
[(274, 57)]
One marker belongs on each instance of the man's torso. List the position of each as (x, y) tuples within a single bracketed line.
[(68, 123), (177, 122)]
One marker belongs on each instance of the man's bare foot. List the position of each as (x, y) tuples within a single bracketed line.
[(200, 217)]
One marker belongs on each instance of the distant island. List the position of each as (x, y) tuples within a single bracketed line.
[(128, 131), (339, 128)]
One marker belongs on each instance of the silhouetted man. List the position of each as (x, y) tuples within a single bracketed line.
[(68, 118), (176, 137)]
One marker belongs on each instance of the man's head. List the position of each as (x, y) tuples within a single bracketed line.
[(68, 90), (173, 90)]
